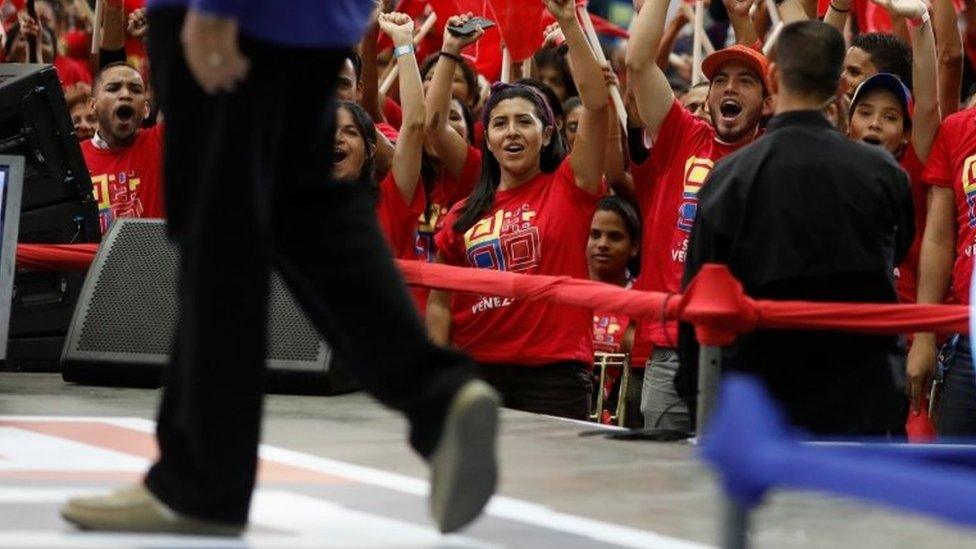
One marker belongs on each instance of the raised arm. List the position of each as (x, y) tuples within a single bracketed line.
[(837, 14), (792, 11), (370, 74), (926, 118), (410, 143), (591, 139), (651, 88), (670, 36), (949, 53), (739, 16), (451, 147)]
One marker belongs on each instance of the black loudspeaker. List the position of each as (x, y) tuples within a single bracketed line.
[(121, 332), (57, 208)]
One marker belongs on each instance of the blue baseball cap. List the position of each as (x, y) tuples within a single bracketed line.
[(891, 83)]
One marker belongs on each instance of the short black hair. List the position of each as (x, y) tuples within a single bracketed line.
[(888, 54), (96, 80), (357, 64), (810, 57)]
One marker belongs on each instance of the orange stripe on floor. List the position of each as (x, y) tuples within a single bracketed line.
[(140, 444)]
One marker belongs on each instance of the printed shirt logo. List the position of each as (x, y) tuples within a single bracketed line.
[(426, 229), (116, 195), (696, 170), (607, 333), (506, 241), (969, 187)]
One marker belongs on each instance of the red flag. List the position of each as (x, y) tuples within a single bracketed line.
[(520, 23), (486, 53)]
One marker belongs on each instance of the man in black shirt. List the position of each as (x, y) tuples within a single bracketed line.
[(805, 214)]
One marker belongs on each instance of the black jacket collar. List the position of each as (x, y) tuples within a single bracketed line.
[(810, 119)]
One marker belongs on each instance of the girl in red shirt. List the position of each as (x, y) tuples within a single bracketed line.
[(612, 255), (530, 213), (400, 199)]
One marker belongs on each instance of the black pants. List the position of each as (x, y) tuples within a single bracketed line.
[(249, 189), (562, 389)]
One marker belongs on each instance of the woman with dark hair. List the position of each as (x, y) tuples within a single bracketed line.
[(400, 200), (613, 257), (530, 213)]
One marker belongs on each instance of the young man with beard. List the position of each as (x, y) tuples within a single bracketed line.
[(124, 159), (685, 149), (806, 214)]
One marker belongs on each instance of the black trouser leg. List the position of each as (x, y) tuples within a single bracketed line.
[(333, 256), (265, 161), (209, 420)]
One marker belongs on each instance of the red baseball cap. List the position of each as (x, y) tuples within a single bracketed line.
[(743, 54)]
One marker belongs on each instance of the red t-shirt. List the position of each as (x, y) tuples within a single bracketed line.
[(128, 182), (398, 220), (952, 164), (608, 331), (906, 274), (388, 131), (540, 227), (447, 192), (683, 155)]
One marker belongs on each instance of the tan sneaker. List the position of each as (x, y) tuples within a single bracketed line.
[(463, 466), (136, 509)]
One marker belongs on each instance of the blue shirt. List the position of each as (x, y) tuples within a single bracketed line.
[(292, 23)]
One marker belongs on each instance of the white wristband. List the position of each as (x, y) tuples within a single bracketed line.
[(406, 49)]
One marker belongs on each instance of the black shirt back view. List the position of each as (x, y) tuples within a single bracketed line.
[(803, 213)]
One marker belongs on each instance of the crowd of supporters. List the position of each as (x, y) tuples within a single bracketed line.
[(535, 171)]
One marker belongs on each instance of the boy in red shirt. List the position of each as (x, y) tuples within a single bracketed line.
[(123, 158), (685, 149)]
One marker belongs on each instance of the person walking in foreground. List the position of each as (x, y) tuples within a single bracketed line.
[(248, 91)]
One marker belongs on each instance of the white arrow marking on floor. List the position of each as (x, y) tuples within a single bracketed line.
[(23, 450)]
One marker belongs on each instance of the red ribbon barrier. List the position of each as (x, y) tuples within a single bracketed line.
[(55, 257), (714, 302), (557, 289)]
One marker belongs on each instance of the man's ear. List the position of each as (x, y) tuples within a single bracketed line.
[(773, 79)]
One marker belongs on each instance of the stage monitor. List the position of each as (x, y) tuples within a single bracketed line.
[(11, 189)]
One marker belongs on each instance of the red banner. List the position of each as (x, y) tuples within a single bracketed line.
[(520, 22)]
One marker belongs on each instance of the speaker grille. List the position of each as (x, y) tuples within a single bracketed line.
[(120, 318), (142, 262)]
